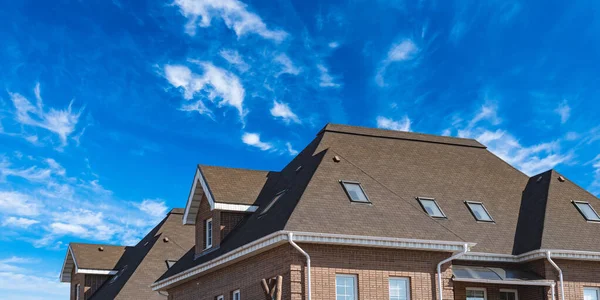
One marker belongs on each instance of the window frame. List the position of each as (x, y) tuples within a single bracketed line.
[(419, 199), (575, 202), (238, 292), (478, 289), (208, 234), (514, 291), (220, 297), (355, 286), (594, 288), (344, 182), (77, 291), (407, 279), (468, 204)]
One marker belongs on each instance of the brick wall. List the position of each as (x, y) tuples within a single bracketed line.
[(92, 283), (493, 291), (204, 213), (245, 275), (577, 275), (75, 280), (228, 221)]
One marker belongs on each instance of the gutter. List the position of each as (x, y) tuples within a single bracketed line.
[(532, 255), (291, 241), (560, 275), (439, 268)]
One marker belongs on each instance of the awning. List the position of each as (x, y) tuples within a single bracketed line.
[(497, 276)]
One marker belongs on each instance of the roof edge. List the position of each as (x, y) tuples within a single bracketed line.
[(532, 255), (281, 237)]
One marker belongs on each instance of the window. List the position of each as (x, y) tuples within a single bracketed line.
[(77, 288), (277, 196), (236, 295), (431, 207), (476, 294), (506, 294), (220, 297), (587, 211), (345, 287), (399, 289), (591, 294), (479, 211), (208, 234), (355, 191)]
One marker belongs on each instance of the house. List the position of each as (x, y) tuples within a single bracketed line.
[(365, 213), (118, 272)]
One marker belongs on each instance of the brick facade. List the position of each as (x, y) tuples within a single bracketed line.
[(228, 221), (88, 284)]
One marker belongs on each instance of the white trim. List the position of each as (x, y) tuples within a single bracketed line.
[(199, 177), (406, 279), (97, 272), (77, 291), (279, 237), (62, 272), (507, 282), (515, 292), (238, 292), (478, 289), (355, 285), (533, 255), (220, 297), (208, 234)]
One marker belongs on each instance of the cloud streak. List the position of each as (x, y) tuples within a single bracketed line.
[(399, 125), (282, 110), (253, 139)]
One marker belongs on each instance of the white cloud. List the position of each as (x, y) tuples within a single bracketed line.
[(218, 85), (234, 58), (234, 14), (154, 208), (282, 110), (333, 45), (68, 229), (326, 80), (400, 125), (15, 203), (290, 149), (253, 139), (405, 50), (60, 122), (21, 285), (595, 188), (19, 222), (287, 64), (564, 111)]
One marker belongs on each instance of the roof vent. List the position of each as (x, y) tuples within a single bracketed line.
[(100, 248), (540, 178), (298, 169), (337, 159), (166, 239), (561, 179)]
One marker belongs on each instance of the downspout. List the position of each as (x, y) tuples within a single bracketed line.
[(560, 275), (290, 239), (553, 295), (439, 268)]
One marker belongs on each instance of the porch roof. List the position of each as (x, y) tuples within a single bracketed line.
[(497, 276)]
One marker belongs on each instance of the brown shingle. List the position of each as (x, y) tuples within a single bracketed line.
[(231, 185), (88, 256)]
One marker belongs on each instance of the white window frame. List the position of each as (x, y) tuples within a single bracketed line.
[(421, 199), (77, 288), (516, 292), (596, 289), (350, 182), (479, 289), (469, 203), (220, 297), (403, 279), (238, 293), (576, 203), (353, 276), (208, 233)]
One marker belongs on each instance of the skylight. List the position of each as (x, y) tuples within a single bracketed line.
[(277, 196), (355, 191), (587, 211), (431, 207), (479, 211)]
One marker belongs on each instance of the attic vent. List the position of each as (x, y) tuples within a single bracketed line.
[(100, 248), (298, 169), (166, 240), (561, 179), (540, 178), (337, 159)]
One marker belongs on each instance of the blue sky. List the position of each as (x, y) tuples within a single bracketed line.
[(107, 106)]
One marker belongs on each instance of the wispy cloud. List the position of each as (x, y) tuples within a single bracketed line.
[(290, 149), (21, 278), (326, 80), (403, 51), (595, 187), (15, 203), (59, 121), (19, 222), (287, 65), (234, 14), (253, 139), (153, 207), (217, 85), (283, 111), (233, 57), (400, 125), (564, 111)]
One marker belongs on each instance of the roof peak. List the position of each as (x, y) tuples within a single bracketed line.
[(400, 135), (201, 166)]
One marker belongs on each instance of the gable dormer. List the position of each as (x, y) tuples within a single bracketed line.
[(219, 199)]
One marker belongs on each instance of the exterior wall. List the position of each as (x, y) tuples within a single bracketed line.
[(577, 275), (88, 284), (493, 291), (204, 213), (373, 267), (245, 275), (228, 221), (75, 280), (92, 283)]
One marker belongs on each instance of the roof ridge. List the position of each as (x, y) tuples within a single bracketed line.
[(96, 244), (401, 135), (233, 168)]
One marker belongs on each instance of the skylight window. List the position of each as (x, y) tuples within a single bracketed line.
[(431, 207), (479, 211), (355, 191), (277, 196), (587, 211)]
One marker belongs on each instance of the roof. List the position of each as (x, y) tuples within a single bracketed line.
[(394, 168), (85, 257), (140, 265), (497, 275), (232, 185)]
